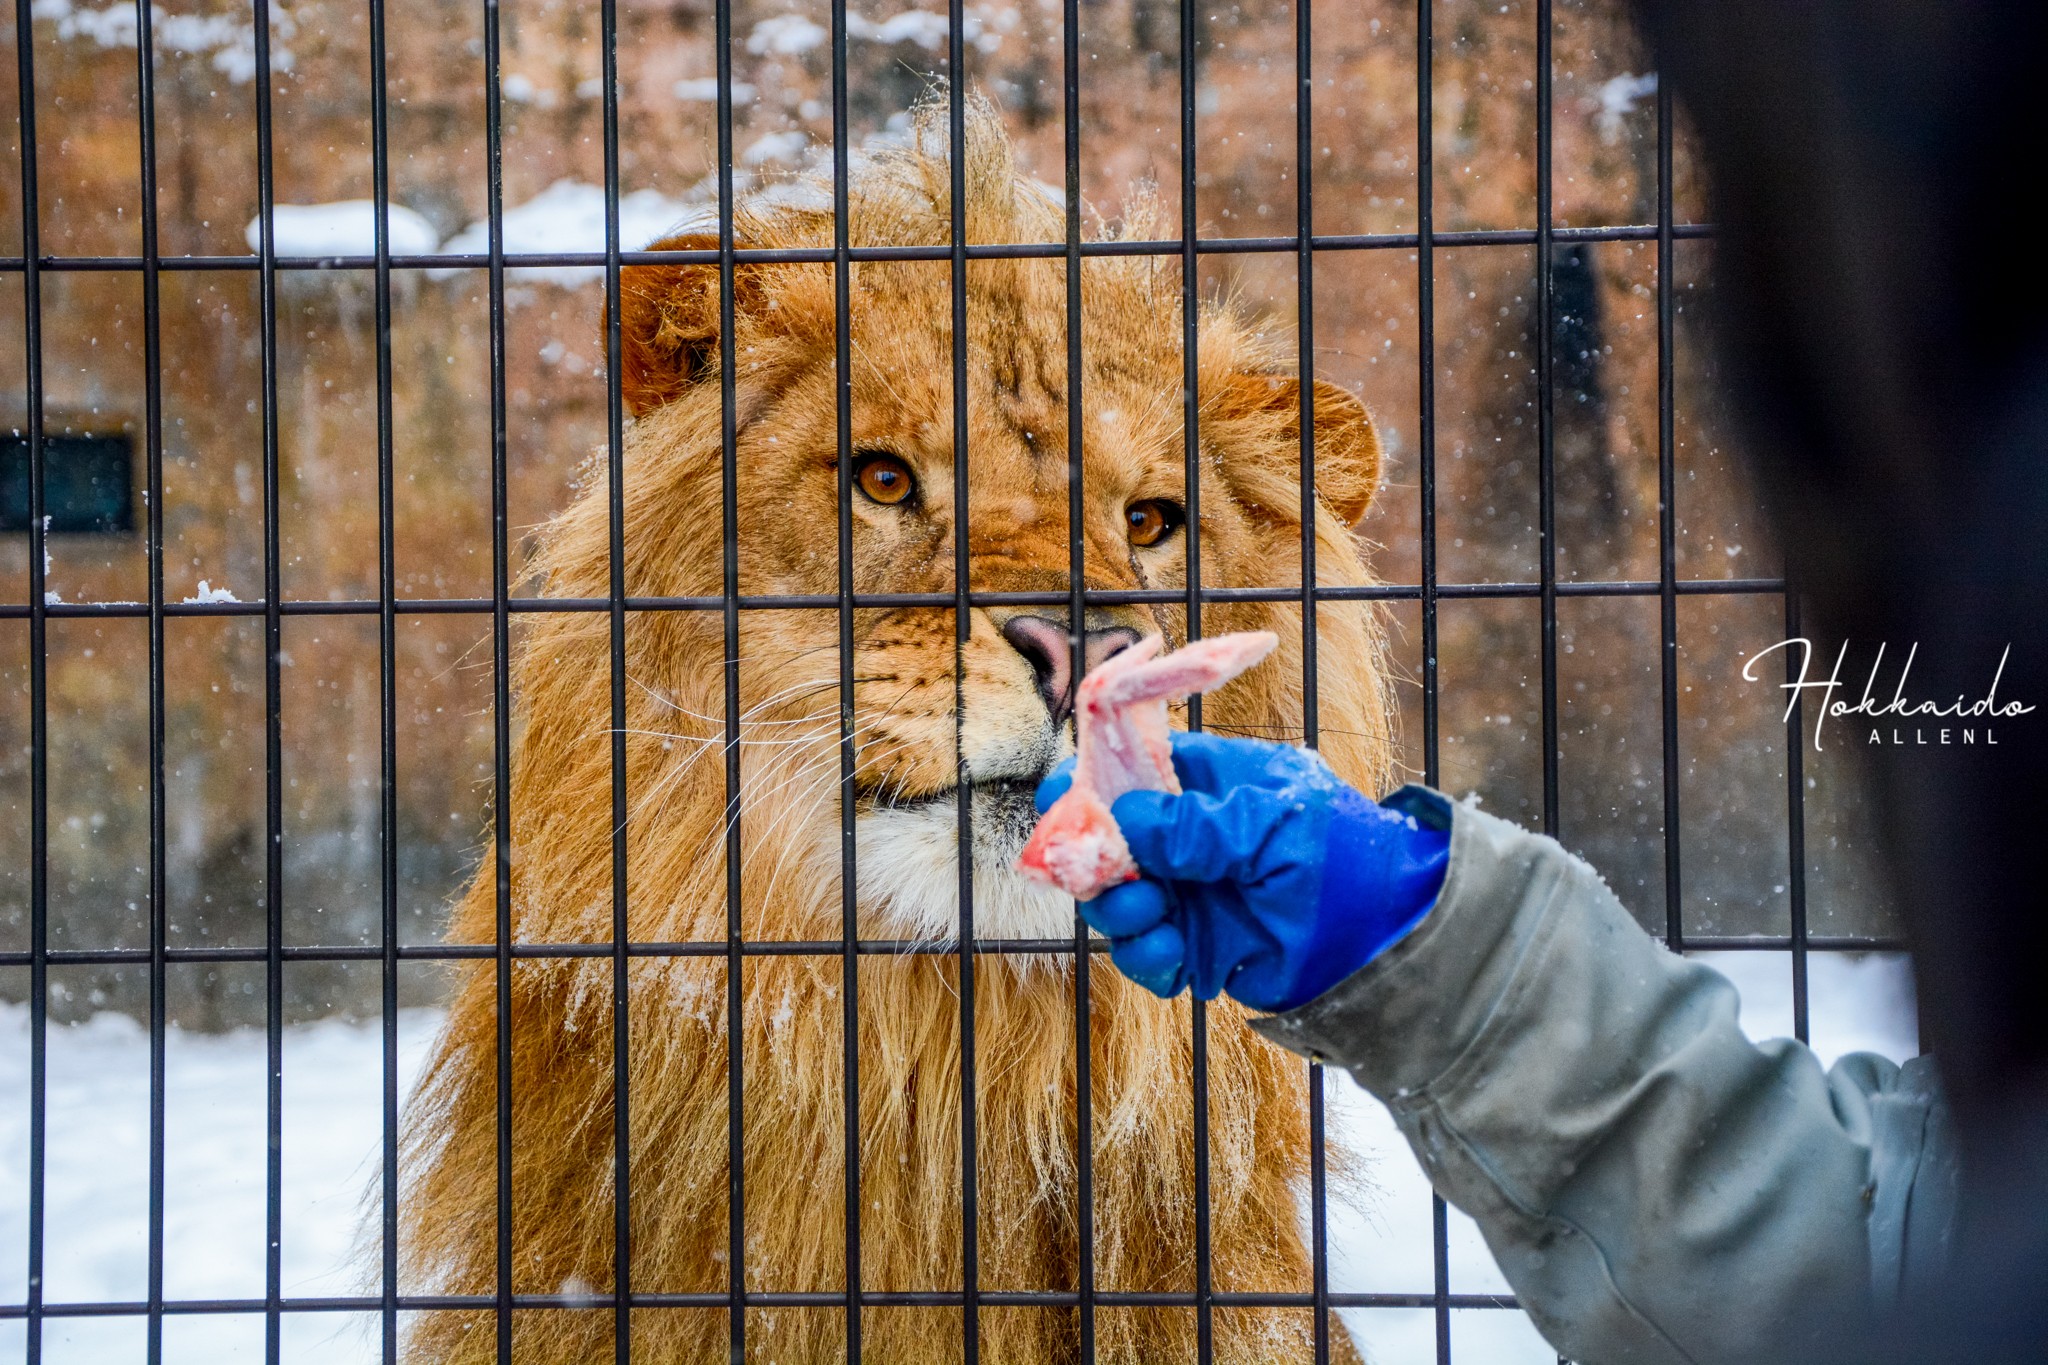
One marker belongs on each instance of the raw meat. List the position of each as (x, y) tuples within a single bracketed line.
[(1120, 733)]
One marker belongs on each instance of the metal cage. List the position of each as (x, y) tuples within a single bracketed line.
[(269, 267)]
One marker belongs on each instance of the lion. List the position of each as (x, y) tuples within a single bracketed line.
[(1012, 726)]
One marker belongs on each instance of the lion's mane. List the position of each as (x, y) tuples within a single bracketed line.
[(792, 1124)]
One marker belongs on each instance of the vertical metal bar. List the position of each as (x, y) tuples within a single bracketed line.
[(273, 709), (735, 962), (1546, 451), (1425, 323), (849, 754), (1546, 429), (1305, 332), (1425, 342), (615, 487), (387, 683), (1319, 1212), (38, 682), (1191, 449), (1077, 635), (153, 497), (1667, 526), (963, 625), (1190, 340), (1795, 823), (501, 667), (1440, 1268)]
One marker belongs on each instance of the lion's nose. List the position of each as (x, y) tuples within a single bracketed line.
[(1046, 646)]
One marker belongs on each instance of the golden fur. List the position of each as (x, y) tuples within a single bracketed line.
[(794, 1122)]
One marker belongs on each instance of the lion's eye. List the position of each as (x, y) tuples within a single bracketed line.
[(1153, 520), (884, 478)]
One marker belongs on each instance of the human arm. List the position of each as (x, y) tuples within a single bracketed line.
[(1655, 1186)]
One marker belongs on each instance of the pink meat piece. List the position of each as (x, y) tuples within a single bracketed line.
[(1122, 744)]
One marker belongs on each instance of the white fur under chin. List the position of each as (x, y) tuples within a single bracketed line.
[(909, 878)]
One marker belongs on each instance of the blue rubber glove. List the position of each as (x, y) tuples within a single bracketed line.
[(1267, 877)]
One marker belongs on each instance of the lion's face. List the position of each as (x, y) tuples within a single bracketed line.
[(1013, 666)]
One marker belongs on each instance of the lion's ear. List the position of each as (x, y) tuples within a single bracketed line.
[(1347, 446), (668, 322)]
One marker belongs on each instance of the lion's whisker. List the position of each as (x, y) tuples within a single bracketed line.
[(785, 694), (793, 693), (758, 798), (674, 777), (820, 789), (745, 799), (743, 741), (816, 793), (818, 781), (661, 697), (719, 721), (811, 774), (752, 796)]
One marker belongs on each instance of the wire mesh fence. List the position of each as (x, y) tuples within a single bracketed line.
[(1557, 511)]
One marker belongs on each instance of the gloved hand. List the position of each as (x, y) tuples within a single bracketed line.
[(1267, 876)]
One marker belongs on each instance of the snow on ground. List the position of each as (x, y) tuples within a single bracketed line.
[(98, 1153), (97, 1180)]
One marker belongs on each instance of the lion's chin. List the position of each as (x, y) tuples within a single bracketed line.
[(910, 880)]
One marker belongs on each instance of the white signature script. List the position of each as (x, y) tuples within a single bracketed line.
[(1897, 706)]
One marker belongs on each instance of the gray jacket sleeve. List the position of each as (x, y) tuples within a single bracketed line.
[(1654, 1185)]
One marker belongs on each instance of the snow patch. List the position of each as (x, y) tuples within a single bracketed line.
[(792, 35), (520, 89), (569, 216), (1614, 100), (347, 227), (704, 90), (926, 29), (1856, 1002), (208, 593), (786, 35), (231, 42), (783, 147)]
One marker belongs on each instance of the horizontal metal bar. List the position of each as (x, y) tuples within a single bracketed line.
[(465, 606), (1050, 1298), (454, 952), (1782, 943), (1208, 246), (870, 947)]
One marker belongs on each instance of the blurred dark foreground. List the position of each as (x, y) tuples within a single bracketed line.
[(1884, 326)]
